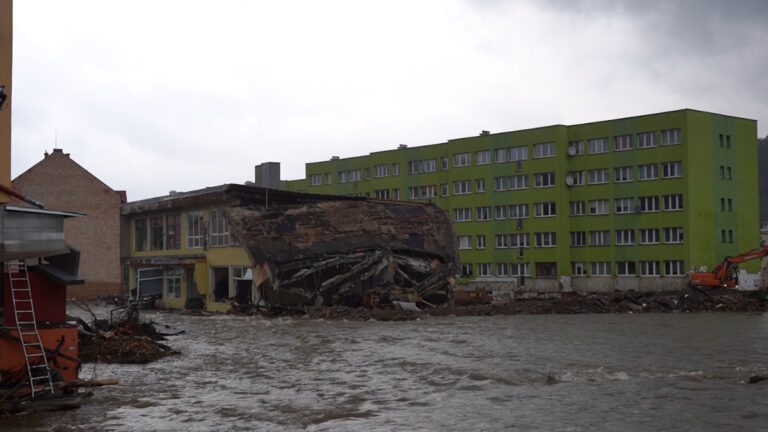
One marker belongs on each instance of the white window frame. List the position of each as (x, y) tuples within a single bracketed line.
[(649, 236), (462, 160), (218, 235), (673, 235), (545, 239), (173, 279), (519, 153), (462, 214), (600, 268), (544, 209), (380, 171), (672, 169), (544, 180), (622, 174), (500, 212), (622, 142), (315, 179), (647, 140), (518, 211), (648, 204), (483, 213), (519, 240), (648, 172), (623, 205), (598, 146), (674, 268), (195, 233), (599, 207), (543, 150), (484, 269), (599, 176), (500, 155), (517, 182), (464, 242), (578, 268), (649, 268), (483, 157), (600, 238), (673, 202), (625, 237), (578, 238), (480, 241), (673, 137), (626, 268), (462, 187), (577, 208), (576, 148), (428, 165), (480, 185)]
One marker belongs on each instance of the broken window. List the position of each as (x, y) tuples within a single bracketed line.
[(220, 283), (156, 233), (149, 281), (546, 269), (140, 234), (173, 231), (242, 282), (195, 229), (219, 229)]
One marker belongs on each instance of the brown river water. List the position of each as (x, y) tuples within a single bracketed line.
[(644, 372)]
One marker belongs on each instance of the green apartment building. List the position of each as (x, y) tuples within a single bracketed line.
[(631, 203)]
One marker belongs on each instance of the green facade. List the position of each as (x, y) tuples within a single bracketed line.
[(701, 207)]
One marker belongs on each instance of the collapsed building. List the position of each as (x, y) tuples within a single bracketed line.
[(257, 246)]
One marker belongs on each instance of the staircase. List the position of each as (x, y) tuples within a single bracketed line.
[(32, 346)]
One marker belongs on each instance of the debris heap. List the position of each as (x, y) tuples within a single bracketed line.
[(349, 253), (128, 340)]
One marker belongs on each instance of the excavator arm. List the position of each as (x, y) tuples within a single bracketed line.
[(725, 274)]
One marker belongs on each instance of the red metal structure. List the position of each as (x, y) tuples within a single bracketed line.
[(726, 273)]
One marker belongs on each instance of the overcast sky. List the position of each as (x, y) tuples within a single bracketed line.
[(152, 96)]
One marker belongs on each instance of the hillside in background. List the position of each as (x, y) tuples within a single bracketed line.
[(762, 158)]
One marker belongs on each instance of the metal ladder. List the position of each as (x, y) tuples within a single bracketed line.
[(26, 324)]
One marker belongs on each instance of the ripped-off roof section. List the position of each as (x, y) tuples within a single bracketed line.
[(290, 233)]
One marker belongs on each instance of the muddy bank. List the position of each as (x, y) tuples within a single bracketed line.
[(692, 300)]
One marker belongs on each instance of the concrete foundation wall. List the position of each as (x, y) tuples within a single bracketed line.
[(504, 288)]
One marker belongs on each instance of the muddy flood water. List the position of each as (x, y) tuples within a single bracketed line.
[(647, 372)]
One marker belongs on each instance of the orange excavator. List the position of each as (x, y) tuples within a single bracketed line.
[(726, 273)]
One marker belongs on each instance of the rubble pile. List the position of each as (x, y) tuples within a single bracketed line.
[(348, 253), (126, 341)]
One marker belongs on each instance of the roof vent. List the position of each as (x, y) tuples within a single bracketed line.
[(334, 158), (485, 132), (402, 146)]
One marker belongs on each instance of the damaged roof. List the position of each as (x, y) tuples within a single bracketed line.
[(332, 226)]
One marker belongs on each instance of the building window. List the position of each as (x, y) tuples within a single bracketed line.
[(649, 268), (462, 159), (649, 235), (327, 178), (173, 283), (598, 145), (413, 167), (622, 142), (429, 165), (673, 202), (622, 174), (443, 163), (156, 233), (673, 268), (671, 137), (648, 172), (484, 269), (483, 213), (517, 182), (483, 157), (173, 231), (672, 169), (140, 234), (520, 153), (315, 180), (577, 208), (462, 214), (599, 176), (543, 150), (545, 239), (481, 241), (599, 238), (626, 268), (518, 211), (501, 212), (413, 192), (429, 191), (519, 240), (500, 184), (381, 171), (149, 281), (480, 185), (519, 269), (544, 209), (500, 155), (578, 238), (501, 241), (576, 148), (396, 194), (219, 229), (649, 204), (501, 269), (195, 229), (646, 140), (625, 237), (542, 180), (600, 268), (444, 189), (673, 235), (395, 169), (578, 178), (367, 173), (598, 207), (623, 205), (462, 187), (466, 270), (546, 269), (464, 241), (354, 175), (381, 194), (578, 268)]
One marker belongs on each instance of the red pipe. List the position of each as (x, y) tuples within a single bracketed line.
[(21, 196)]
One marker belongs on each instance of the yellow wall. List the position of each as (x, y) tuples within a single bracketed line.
[(6, 61), (227, 256)]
